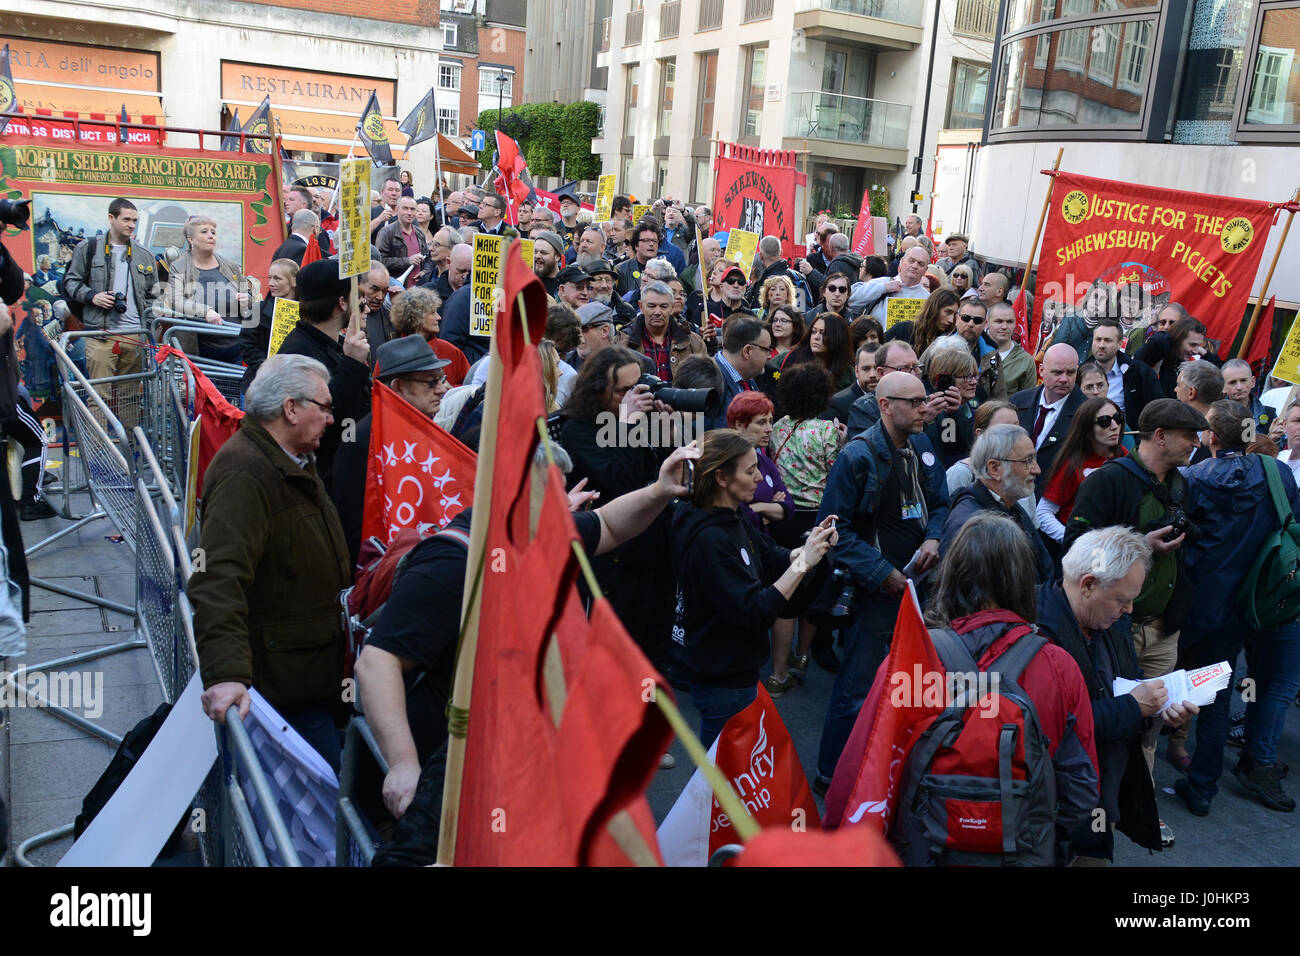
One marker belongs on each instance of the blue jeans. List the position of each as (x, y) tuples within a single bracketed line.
[(865, 645), (1274, 658), (717, 705), (1212, 722), (316, 726)]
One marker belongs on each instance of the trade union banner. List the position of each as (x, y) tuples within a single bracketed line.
[(70, 186), (754, 190), (1127, 250)]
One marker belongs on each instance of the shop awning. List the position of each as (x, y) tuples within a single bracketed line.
[(456, 160), (78, 102)]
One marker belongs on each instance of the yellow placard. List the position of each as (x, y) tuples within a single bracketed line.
[(486, 279), (902, 310), (354, 217), (605, 197), (639, 210), (1287, 366), (192, 477), (283, 319), (526, 251), (742, 246)]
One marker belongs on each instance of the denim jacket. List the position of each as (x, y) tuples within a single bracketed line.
[(853, 489)]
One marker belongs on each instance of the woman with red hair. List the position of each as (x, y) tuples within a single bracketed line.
[(750, 413)]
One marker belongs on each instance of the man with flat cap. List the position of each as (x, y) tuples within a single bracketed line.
[(573, 287), (411, 369), (548, 253), (323, 318), (1145, 490)]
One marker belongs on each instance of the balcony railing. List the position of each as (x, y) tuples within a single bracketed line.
[(600, 122), (710, 14), (897, 11), (604, 35), (847, 119), (757, 10), (632, 27), (670, 19), (976, 18)]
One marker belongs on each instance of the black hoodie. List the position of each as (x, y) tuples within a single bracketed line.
[(726, 601)]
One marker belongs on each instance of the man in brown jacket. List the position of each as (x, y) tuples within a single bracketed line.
[(266, 610), (654, 333)]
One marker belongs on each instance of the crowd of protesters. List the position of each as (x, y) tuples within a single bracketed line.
[(1098, 485)]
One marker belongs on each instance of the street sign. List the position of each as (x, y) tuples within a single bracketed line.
[(477, 140)]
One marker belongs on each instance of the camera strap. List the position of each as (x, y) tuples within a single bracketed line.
[(1164, 494)]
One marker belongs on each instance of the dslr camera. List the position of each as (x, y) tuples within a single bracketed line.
[(119, 302), (15, 212), (706, 400), (1176, 520), (848, 593)]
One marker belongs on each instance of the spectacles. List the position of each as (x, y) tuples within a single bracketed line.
[(913, 368), (974, 319), (1019, 461), (914, 402), (1105, 421), (734, 281), (430, 381), (837, 288), (326, 407), (973, 377)]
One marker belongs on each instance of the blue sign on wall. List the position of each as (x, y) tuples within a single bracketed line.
[(477, 140)]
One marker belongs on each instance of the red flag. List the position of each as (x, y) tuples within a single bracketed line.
[(218, 419), (312, 253), (1263, 340), (562, 739), (862, 244), (865, 786), (1022, 317), (755, 753), (511, 182), (851, 846), (418, 475)]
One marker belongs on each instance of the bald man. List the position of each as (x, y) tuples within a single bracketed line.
[(993, 289), (1047, 410)]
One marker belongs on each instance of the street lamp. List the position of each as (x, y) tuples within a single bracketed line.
[(501, 92)]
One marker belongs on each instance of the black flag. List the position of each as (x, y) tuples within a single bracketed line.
[(372, 132), (8, 98), (260, 123), (231, 143), (422, 123)]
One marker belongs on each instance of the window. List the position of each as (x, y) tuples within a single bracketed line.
[(448, 76), (449, 35), (702, 182), (708, 93), (630, 96), (1072, 45), (848, 72), (667, 83), (1133, 62), (1274, 83), (1105, 52), (449, 120), (489, 83), (1026, 13), (661, 177), (754, 90), (970, 85)]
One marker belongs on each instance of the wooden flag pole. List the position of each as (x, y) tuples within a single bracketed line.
[(1033, 250), (1244, 348), (278, 172), (354, 308)]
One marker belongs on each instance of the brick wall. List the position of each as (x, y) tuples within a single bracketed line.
[(416, 12), (496, 44)]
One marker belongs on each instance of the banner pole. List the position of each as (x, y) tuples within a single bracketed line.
[(1244, 348), (1033, 248), (339, 179), (278, 168)]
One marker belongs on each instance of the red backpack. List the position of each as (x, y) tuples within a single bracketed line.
[(374, 583), (978, 787)]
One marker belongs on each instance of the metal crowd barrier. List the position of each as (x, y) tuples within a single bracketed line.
[(357, 837)]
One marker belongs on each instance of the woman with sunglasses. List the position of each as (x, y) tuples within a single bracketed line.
[(1096, 436)]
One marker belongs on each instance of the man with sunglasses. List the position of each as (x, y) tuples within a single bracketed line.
[(891, 496), (733, 294), (971, 320)]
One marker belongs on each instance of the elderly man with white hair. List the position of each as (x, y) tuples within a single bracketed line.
[(1087, 613), (873, 297), (274, 560)]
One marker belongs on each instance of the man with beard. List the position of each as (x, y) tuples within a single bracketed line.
[(548, 253), (604, 279)]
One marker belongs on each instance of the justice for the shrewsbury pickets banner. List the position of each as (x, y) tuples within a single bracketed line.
[(71, 186), (757, 756), (754, 190), (1104, 237)]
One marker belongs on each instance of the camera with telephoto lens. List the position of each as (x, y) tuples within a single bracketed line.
[(848, 595), (1176, 520), (119, 302), (706, 400), (15, 212)]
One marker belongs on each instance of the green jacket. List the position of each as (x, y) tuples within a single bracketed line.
[(266, 605)]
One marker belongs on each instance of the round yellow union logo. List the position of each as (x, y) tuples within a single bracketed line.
[(6, 95), (1237, 235), (375, 128), (1075, 207)]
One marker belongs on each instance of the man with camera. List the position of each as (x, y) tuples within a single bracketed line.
[(1146, 491), (115, 282)]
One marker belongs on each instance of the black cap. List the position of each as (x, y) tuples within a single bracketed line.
[(1170, 413), (469, 210), (320, 280), (597, 267), (574, 273), (410, 353)]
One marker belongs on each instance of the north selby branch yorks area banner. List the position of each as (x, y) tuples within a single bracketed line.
[(1200, 251)]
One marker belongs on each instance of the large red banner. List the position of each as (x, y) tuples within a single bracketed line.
[(1127, 250), (754, 191)]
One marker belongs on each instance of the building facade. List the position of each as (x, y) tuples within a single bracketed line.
[(564, 37), (1187, 94), (481, 66), (845, 82)]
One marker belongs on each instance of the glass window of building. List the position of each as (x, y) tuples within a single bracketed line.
[(1217, 43), (630, 95), (449, 34), (708, 93), (1275, 78), (449, 120), (667, 83), (970, 85), (1026, 13), (754, 90), (448, 76)]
